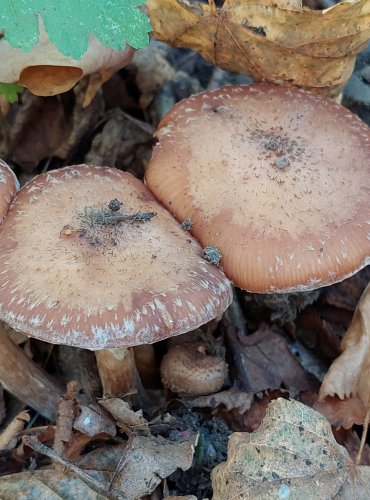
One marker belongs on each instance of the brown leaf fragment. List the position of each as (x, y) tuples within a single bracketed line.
[(96, 484), (342, 413), (152, 71), (349, 375), (46, 485), (347, 293), (67, 412), (269, 363), (251, 419), (275, 41), (82, 121), (88, 479), (292, 455), (351, 441), (128, 420), (92, 421), (148, 460), (8, 438), (38, 127), (231, 400), (319, 334)]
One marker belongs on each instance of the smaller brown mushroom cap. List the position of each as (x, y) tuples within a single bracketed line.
[(188, 369), (277, 179), (8, 187), (76, 269)]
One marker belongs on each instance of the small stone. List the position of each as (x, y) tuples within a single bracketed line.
[(115, 205), (186, 225), (212, 255), (282, 163)]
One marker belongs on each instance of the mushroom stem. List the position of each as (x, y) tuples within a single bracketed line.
[(26, 380), (119, 375)]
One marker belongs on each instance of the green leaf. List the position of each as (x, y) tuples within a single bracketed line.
[(69, 23), (10, 91)]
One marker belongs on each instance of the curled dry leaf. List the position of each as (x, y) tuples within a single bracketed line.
[(274, 41), (92, 421), (126, 419), (45, 71), (8, 438), (292, 455), (231, 400), (342, 413), (349, 375)]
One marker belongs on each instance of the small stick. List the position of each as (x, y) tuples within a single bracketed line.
[(234, 326), (364, 434), (33, 443), (26, 380)]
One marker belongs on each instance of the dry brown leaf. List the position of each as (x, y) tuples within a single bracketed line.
[(46, 485), (148, 460), (342, 413), (126, 419), (37, 129), (52, 484), (349, 375), (231, 400), (262, 356), (45, 71), (152, 71), (274, 41), (292, 455), (92, 420), (8, 438)]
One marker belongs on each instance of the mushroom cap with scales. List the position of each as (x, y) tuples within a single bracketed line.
[(277, 178), (71, 273)]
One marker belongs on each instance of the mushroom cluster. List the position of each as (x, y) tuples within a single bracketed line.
[(263, 176), (89, 258)]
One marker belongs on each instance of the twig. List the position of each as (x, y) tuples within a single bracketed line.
[(234, 325), (33, 443), (364, 434)]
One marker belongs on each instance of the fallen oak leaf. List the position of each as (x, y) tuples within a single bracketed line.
[(293, 454)]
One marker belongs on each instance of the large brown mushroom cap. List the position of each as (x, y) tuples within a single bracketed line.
[(8, 188), (68, 275), (278, 179)]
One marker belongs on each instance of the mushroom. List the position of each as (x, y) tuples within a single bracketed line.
[(191, 370), (89, 258), (8, 187), (276, 178)]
